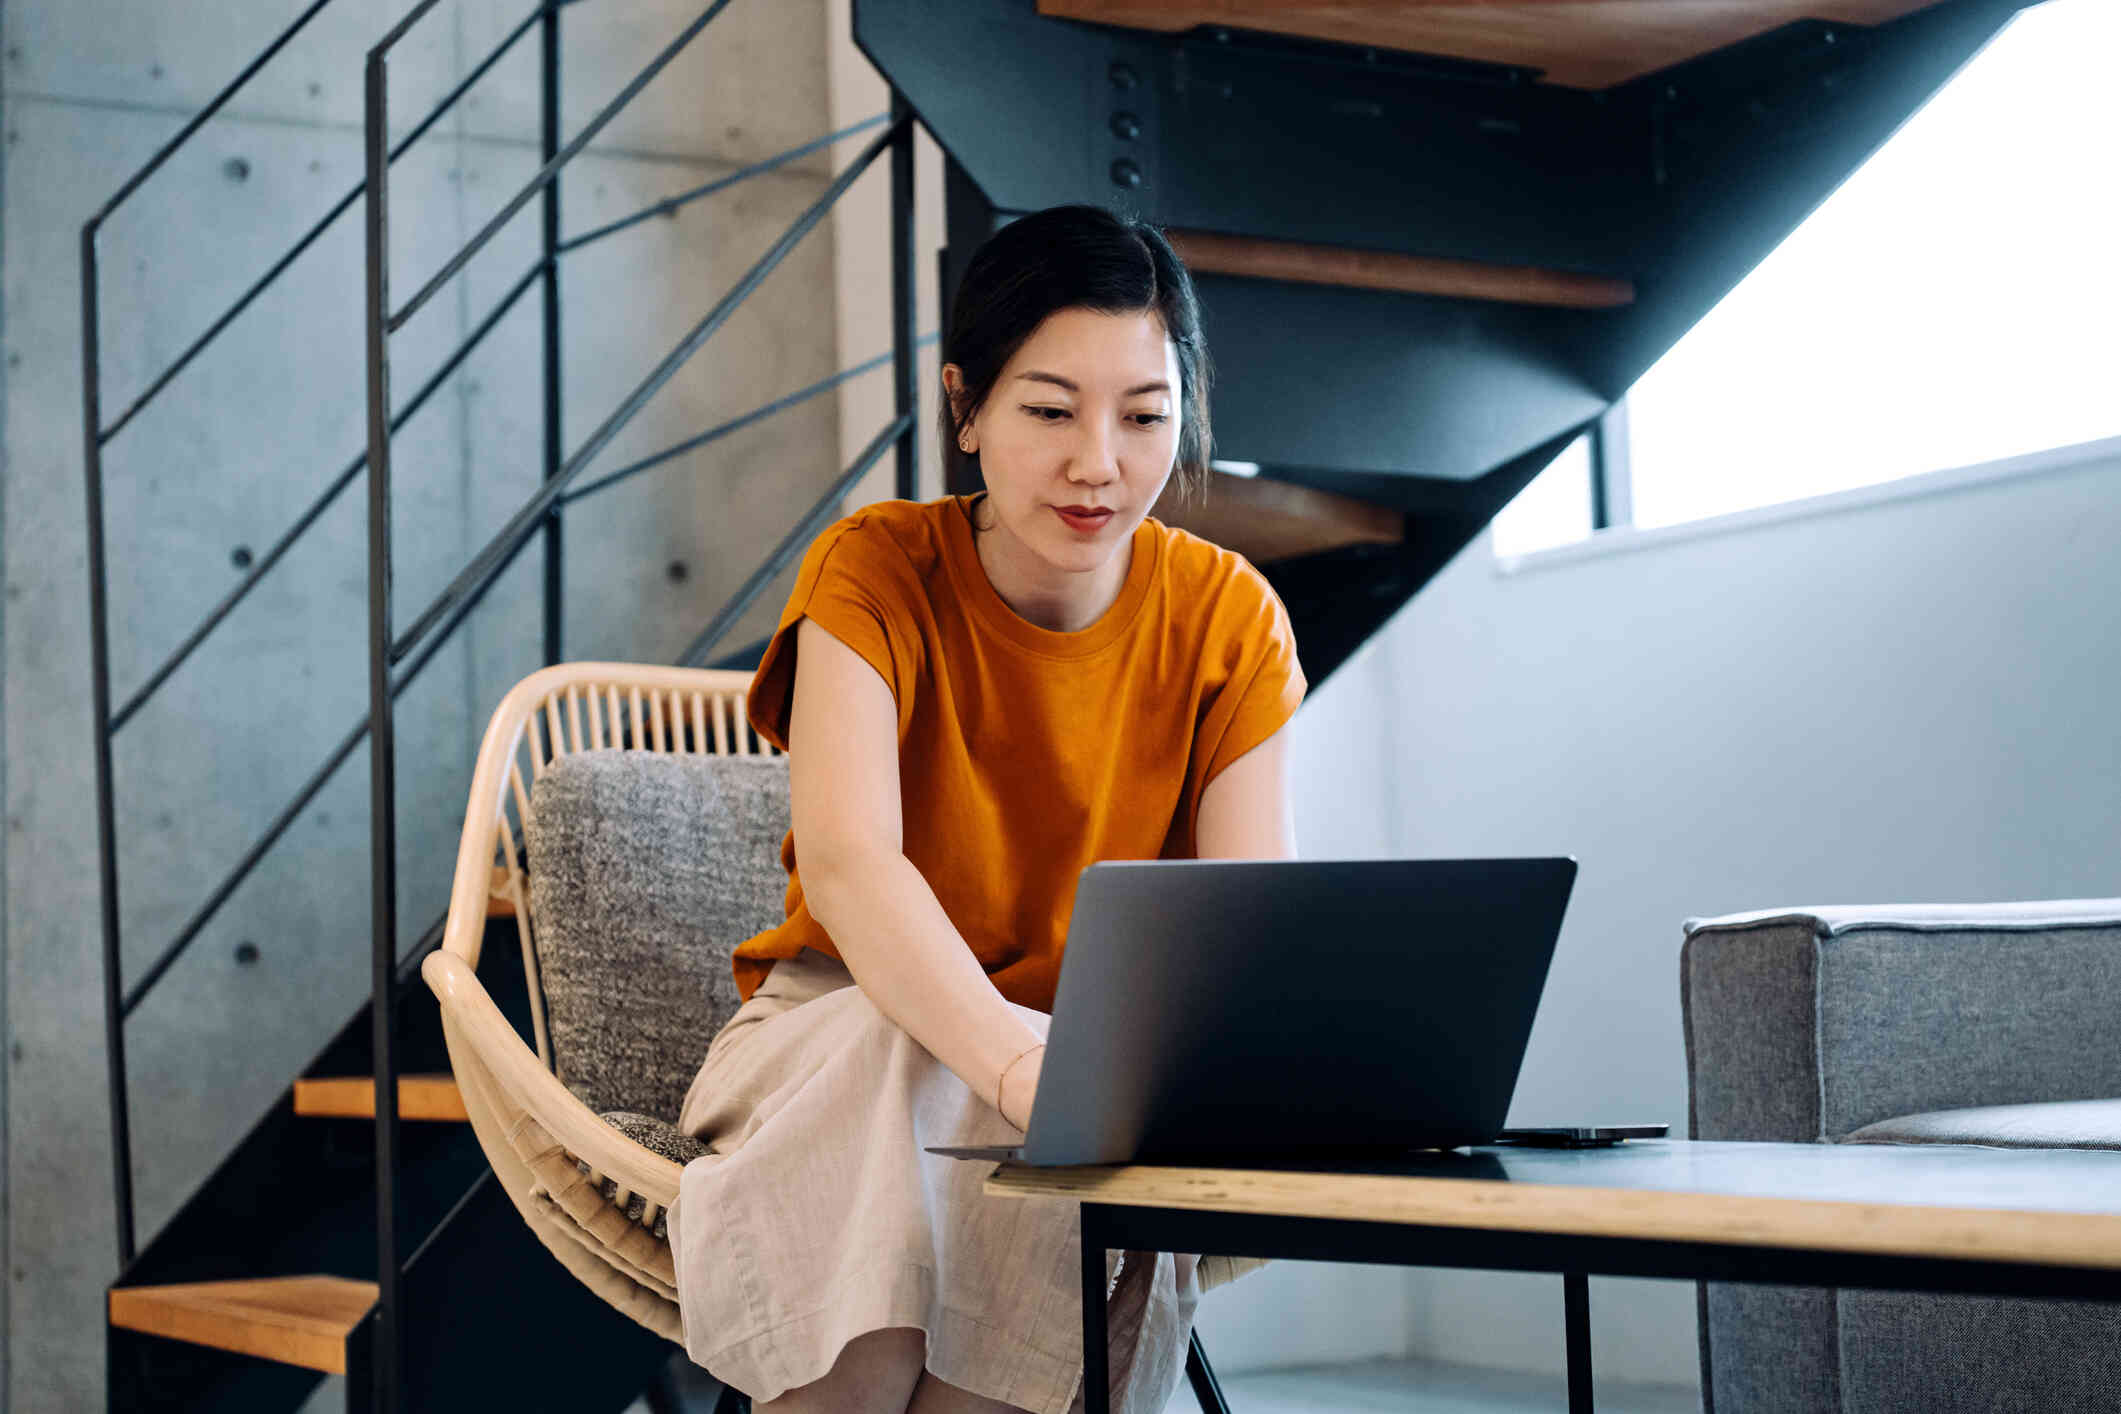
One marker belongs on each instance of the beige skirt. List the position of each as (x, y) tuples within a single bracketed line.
[(816, 1215)]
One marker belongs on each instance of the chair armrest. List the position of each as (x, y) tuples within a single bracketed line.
[(1807, 1024), (526, 1083)]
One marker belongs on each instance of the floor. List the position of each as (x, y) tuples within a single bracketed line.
[(1404, 1386), (1430, 1388)]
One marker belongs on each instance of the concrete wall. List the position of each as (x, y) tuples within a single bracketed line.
[(249, 434), (1902, 693)]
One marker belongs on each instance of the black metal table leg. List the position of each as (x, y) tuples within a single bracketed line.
[(1097, 1391), (1576, 1319)]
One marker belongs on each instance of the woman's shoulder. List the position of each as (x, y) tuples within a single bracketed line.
[(1213, 579), (883, 538)]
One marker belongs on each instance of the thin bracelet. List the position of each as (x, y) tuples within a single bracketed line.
[(1003, 1078)]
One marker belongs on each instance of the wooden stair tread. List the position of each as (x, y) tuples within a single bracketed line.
[(1350, 268), (1266, 520), (423, 1097), (1589, 44), (302, 1320)]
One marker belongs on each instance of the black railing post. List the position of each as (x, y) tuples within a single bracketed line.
[(905, 332), (121, 1141), (555, 455), (383, 871)]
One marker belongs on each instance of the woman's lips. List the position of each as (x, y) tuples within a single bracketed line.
[(1088, 524)]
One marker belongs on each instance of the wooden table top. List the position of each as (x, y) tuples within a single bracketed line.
[(2055, 1206)]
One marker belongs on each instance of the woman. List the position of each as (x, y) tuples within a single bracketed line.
[(979, 696)]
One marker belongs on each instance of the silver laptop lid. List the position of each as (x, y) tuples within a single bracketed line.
[(1226, 1008)]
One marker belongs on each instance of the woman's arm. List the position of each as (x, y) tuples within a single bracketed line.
[(1245, 811), (883, 917)]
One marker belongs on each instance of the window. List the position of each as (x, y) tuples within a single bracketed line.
[(1956, 301), (1553, 510)]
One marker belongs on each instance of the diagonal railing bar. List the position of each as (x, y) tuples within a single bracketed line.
[(403, 27), (552, 169), (294, 807), (736, 424), (683, 198), (322, 503), (205, 115), (280, 267), (801, 534), (485, 565)]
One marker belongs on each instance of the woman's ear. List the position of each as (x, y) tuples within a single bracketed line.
[(954, 388)]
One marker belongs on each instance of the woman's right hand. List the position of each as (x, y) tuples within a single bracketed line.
[(1019, 1086)]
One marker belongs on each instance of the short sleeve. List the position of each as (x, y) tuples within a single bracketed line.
[(1267, 683), (852, 581)]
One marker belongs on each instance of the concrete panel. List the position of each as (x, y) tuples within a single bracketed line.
[(239, 444), (714, 512), (172, 59), (748, 86)]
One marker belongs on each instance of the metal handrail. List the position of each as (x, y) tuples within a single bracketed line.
[(691, 194), (801, 534), (229, 316), (255, 855), (485, 564), (338, 484), (438, 623), (206, 114), (735, 424), (99, 623), (323, 501), (551, 169), (540, 510)]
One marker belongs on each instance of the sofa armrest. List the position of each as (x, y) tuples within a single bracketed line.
[(1806, 1024)]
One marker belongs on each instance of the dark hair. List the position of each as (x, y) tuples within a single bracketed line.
[(1067, 257)]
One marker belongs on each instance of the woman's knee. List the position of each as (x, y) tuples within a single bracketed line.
[(875, 1374)]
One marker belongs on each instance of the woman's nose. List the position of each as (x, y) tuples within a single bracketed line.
[(1096, 458)]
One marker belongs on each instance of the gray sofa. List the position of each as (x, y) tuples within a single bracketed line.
[(1993, 1024)]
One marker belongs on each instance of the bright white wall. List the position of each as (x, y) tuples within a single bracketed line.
[(1907, 693)]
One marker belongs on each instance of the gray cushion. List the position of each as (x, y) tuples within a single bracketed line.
[(1812, 1023), (2060, 1124), (646, 871), (658, 1138), (1833, 920)]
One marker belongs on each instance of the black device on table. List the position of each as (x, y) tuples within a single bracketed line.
[(1263, 1011), (1579, 1136)]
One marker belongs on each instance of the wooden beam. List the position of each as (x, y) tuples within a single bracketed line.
[(1389, 270), (425, 1097), (1588, 44), (1276, 520), (301, 1320)]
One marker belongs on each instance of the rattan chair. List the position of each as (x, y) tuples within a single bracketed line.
[(592, 1168), (594, 1195)]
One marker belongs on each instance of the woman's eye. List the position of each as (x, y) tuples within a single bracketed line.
[(1144, 420)]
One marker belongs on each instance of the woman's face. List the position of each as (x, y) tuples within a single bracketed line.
[(1086, 415)]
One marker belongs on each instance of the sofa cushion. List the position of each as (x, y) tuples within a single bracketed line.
[(2059, 1124), (646, 871), (1833, 920), (1815, 1022)]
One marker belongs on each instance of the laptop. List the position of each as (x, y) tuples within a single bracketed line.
[(1244, 1011)]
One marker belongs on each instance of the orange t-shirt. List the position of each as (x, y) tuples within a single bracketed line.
[(1025, 755)]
